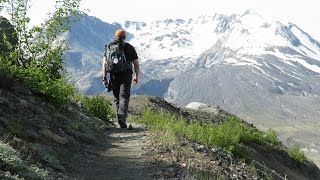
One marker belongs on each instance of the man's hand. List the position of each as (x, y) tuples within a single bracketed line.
[(136, 72), (135, 80), (105, 83)]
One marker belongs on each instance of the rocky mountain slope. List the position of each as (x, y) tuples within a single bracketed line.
[(41, 141), (265, 72)]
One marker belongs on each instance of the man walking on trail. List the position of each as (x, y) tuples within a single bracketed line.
[(117, 60)]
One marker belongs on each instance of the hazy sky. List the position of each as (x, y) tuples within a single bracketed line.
[(304, 13)]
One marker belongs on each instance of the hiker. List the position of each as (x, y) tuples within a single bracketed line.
[(119, 56)]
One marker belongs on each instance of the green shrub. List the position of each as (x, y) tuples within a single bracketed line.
[(8, 176), (10, 157), (55, 90), (47, 155), (98, 107), (12, 163), (296, 154), (271, 136), (37, 173)]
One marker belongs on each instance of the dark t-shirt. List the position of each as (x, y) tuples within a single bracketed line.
[(130, 52)]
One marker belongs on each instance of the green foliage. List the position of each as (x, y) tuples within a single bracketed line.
[(13, 164), (54, 90), (228, 135), (98, 107), (296, 154), (39, 44), (47, 155), (271, 136), (8, 36), (10, 157), (38, 58), (38, 173)]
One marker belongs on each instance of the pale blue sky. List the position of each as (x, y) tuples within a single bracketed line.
[(305, 13)]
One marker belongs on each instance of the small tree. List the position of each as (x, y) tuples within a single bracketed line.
[(38, 57), (39, 45), (8, 36)]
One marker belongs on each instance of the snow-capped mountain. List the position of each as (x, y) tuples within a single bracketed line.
[(262, 70), (169, 47)]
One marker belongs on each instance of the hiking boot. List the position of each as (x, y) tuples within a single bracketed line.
[(122, 124), (130, 127)]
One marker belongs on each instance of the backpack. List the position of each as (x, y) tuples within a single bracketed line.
[(115, 58)]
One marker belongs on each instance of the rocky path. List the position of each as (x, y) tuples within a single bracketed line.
[(122, 158)]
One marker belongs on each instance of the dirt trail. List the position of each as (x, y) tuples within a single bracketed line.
[(122, 158)]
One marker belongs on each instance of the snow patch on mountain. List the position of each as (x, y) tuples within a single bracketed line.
[(197, 105)]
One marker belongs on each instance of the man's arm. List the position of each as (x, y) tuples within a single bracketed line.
[(136, 71), (104, 72)]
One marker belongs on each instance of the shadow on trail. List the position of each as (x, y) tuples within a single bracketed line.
[(125, 155), (120, 156), (124, 130), (116, 167)]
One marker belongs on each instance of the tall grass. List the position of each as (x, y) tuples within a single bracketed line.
[(228, 135), (296, 154)]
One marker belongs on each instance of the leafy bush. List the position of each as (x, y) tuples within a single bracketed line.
[(12, 163), (296, 154), (55, 90), (98, 107)]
